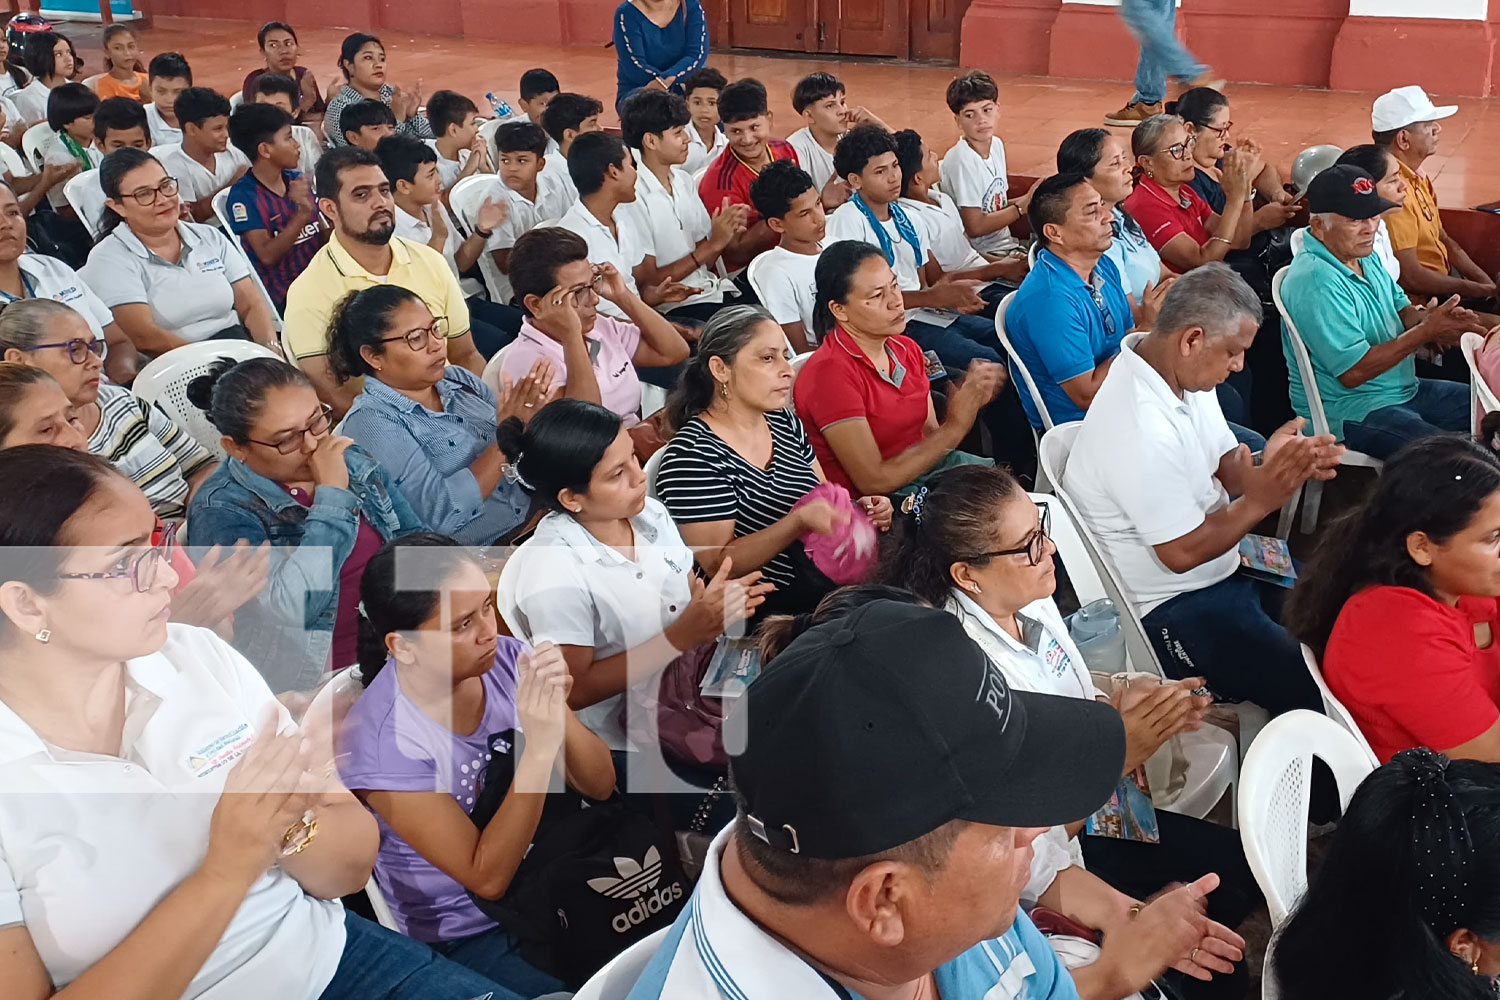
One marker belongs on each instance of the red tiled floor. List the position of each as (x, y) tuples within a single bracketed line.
[(1037, 112)]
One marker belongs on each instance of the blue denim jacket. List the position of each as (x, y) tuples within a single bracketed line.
[(288, 630)]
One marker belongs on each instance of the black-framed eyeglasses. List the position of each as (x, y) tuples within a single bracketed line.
[(141, 570), (78, 349), (589, 290), (147, 195), (417, 338), (1036, 545), (290, 442), (1220, 130), (1179, 150)]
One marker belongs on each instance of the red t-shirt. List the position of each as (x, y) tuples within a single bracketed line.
[(1162, 217), (1410, 670), (729, 177), (840, 383)]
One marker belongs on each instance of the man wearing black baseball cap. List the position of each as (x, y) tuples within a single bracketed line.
[(1360, 329), (889, 787)]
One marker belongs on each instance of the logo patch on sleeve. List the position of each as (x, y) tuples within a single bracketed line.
[(241, 213)]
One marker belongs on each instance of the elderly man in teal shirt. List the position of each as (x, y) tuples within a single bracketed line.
[(1360, 329)]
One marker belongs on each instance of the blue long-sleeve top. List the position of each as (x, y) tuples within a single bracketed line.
[(646, 52)]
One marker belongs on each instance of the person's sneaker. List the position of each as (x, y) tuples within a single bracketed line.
[(1133, 114)]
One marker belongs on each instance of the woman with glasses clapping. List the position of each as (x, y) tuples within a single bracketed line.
[(430, 424), (169, 282), (323, 504)]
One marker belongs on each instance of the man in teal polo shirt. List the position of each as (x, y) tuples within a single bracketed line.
[(1360, 329)]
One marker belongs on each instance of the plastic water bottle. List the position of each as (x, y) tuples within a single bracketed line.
[(501, 108), (1095, 627)]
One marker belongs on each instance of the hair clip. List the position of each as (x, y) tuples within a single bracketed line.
[(913, 504), (512, 474)]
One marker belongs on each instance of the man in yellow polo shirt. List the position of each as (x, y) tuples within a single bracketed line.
[(355, 194), (1433, 265)]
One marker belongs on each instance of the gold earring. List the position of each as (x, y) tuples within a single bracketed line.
[(45, 635), (1474, 967), (724, 390)]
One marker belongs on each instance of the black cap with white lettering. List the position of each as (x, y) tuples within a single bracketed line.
[(869, 732)]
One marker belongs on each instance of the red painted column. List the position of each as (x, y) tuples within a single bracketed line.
[(1444, 56), (1008, 36)]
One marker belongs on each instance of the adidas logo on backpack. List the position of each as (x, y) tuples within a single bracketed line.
[(637, 881)]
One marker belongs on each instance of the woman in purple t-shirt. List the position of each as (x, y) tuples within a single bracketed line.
[(439, 683)]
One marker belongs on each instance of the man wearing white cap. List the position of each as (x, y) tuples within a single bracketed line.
[(1406, 122)]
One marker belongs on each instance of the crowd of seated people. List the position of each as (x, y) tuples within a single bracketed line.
[(445, 584)]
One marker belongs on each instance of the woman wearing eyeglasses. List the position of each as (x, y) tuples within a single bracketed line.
[(973, 541), (431, 425), (324, 505), (169, 282), (168, 831), (1205, 112), (140, 440), (593, 357)]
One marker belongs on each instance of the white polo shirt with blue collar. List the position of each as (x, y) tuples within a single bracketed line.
[(715, 950)]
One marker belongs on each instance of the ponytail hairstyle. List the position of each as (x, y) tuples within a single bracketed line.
[(778, 631), (1415, 857), (360, 320), (833, 275), (401, 587), (724, 337), (1080, 153), (950, 520), (1436, 486), (112, 175), (558, 449), (232, 393), (1197, 106), (15, 379)]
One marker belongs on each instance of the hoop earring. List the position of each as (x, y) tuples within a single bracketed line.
[(45, 635)]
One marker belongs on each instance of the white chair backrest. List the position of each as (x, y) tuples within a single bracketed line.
[(164, 382), (1304, 362), (32, 141), (652, 470), (220, 205), (1052, 456), (14, 163), (236, 99), (378, 904), (1082, 574), (1334, 708), (487, 130), (798, 362), (87, 198), (491, 374), (1031, 255), (92, 82), (618, 978), (465, 198), (1275, 787), (1017, 365), (1483, 395)]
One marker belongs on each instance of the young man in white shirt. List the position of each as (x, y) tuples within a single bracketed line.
[(566, 117), (784, 277), (974, 169), (683, 240), (1153, 471), (167, 76), (411, 165), (820, 99), (204, 164), (705, 139), (455, 122), (942, 308), (537, 88)]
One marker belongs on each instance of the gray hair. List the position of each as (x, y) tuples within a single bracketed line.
[(725, 335), (25, 322), (1146, 139), (1211, 296)]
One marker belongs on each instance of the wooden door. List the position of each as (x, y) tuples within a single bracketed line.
[(864, 27), (772, 24), (935, 27)]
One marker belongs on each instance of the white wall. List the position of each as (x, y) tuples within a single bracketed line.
[(1448, 10)]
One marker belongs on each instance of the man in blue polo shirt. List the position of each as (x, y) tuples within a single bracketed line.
[(1360, 329), (884, 831), (1070, 314)]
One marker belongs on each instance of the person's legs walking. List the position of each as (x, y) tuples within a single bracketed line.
[(381, 963), (1153, 24)]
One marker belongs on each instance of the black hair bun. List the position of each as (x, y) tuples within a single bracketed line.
[(200, 391)]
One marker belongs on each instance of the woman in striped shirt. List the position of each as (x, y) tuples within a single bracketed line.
[(740, 461), (362, 59)]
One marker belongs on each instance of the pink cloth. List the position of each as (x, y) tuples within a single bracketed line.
[(619, 386), (848, 554), (1487, 366)]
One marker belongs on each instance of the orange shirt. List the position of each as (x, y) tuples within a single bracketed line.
[(108, 86), (1418, 225)]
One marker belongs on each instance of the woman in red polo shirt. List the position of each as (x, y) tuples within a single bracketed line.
[(863, 396), (1178, 222), (1400, 603)]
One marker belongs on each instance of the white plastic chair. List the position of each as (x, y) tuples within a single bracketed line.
[(14, 163), (1275, 786), (1334, 708), (465, 198), (32, 144), (92, 82), (798, 362), (236, 99), (1483, 396), (653, 470), (220, 205), (487, 130), (491, 374), (164, 382), (87, 199), (618, 978), (1018, 367), (381, 908), (1312, 492)]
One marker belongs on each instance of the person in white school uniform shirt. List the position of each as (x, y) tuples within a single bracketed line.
[(706, 140), (204, 851), (568, 116), (973, 171), (820, 99), (204, 116), (784, 277), (605, 576)]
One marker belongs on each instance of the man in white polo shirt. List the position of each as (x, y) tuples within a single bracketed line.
[(884, 831), (1153, 470)]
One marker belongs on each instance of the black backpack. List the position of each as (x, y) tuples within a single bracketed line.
[(597, 879)]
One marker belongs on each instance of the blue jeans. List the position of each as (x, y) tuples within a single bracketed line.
[(492, 325), (1437, 408), (1226, 634), (381, 963), (493, 955), (1153, 23), (966, 339)]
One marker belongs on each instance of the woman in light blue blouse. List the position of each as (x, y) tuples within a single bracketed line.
[(658, 43), (1104, 158)]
